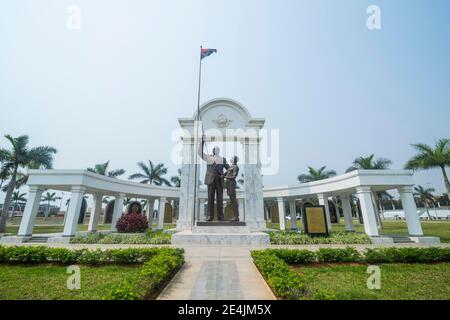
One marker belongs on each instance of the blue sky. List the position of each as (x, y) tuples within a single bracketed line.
[(114, 89)]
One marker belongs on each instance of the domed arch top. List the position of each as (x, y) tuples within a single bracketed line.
[(223, 113)]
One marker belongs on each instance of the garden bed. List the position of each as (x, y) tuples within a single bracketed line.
[(291, 273), (108, 274), (294, 238), (149, 237)]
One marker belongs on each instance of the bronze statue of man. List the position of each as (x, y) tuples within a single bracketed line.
[(215, 165), (232, 173)]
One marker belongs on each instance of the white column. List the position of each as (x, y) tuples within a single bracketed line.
[(95, 214), (293, 212), (410, 209), (323, 201), (347, 209), (161, 208), (30, 212), (118, 210), (367, 210), (150, 206), (201, 210), (281, 214), (73, 212), (186, 207), (241, 209), (253, 188)]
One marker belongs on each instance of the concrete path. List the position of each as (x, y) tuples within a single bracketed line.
[(212, 273)]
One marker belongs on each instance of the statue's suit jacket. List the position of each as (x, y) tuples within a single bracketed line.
[(214, 167)]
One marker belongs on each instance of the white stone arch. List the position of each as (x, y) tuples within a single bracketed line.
[(224, 120)]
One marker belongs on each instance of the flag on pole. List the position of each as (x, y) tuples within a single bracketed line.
[(206, 52)]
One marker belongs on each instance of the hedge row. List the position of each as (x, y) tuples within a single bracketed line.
[(141, 238), (294, 238), (376, 255), (288, 284), (153, 274), (285, 283), (41, 254)]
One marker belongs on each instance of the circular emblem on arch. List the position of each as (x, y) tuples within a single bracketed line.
[(222, 121)]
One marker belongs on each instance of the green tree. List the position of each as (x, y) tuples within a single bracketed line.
[(425, 195), (49, 197), (16, 198), (176, 180), (432, 157), (151, 174), (368, 163), (21, 156), (102, 169), (316, 174)]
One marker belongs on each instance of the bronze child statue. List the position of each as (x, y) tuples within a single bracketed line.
[(232, 173)]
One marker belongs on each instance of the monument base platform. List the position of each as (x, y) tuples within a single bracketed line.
[(221, 239)]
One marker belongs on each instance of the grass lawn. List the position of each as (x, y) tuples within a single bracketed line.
[(439, 229), (49, 281), (398, 281)]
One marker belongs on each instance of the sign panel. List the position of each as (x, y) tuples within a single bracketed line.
[(314, 220)]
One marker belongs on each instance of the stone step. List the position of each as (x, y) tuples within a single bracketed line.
[(220, 239), (221, 229), (37, 239)]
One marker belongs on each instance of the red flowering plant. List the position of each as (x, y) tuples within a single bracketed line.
[(132, 223)]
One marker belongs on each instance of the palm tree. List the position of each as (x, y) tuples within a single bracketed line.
[(425, 195), (151, 174), (429, 157), (16, 198), (368, 163), (102, 169), (316, 174), (49, 197), (5, 173), (176, 180), (21, 156)]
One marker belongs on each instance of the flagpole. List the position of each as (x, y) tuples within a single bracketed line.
[(196, 139)]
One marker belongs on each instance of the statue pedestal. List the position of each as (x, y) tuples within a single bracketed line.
[(216, 236)]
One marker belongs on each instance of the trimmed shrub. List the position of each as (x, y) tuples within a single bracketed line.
[(294, 256), (40, 254), (292, 238), (154, 272), (284, 282), (338, 255), (407, 255), (132, 223), (114, 238)]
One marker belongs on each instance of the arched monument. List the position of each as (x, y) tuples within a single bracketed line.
[(223, 122)]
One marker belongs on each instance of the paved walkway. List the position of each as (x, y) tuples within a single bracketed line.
[(212, 273)]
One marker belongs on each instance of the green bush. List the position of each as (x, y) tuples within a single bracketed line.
[(284, 282), (294, 238), (154, 272), (338, 255), (295, 256), (407, 255), (41, 254), (114, 238)]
